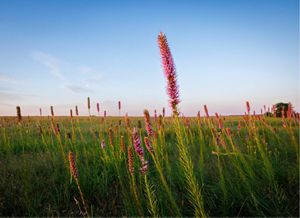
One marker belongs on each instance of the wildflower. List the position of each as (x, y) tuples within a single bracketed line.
[(76, 110), (19, 113), (148, 123), (130, 160), (148, 145), (98, 108), (73, 168), (170, 72), (140, 151), (57, 129), (206, 111), (137, 144), (89, 103), (119, 105), (248, 107), (52, 111), (144, 167)]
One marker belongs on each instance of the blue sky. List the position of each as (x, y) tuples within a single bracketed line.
[(55, 52)]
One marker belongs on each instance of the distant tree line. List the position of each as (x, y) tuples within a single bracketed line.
[(282, 109)]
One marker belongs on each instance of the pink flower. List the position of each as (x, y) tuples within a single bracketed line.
[(119, 105), (137, 144), (98, 107), (148, 145), (148, 123), (139, 150), (170, 72), (206, 111), (248, 107)]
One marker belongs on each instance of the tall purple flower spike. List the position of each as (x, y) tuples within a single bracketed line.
[(137, 144), (170, 72)]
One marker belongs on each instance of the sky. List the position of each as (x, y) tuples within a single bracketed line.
[(58, 53)]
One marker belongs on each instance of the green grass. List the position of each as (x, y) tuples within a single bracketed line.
[(195, 170)]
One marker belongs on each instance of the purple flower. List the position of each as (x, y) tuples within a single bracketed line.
[(137, 144), (148, 123), (170, 72)]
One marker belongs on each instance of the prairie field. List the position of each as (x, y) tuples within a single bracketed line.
[(184, 160), (187, 166)]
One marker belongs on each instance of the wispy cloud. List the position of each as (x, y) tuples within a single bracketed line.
[(78, 89), (51, 62)]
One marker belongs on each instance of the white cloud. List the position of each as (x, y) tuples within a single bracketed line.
[(51, 62)]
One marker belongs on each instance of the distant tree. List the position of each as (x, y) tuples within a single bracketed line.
[(284, 108)]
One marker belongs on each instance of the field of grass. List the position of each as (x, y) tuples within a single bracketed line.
[(201, 166)]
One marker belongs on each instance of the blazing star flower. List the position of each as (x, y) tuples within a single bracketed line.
[(73, 167), (137, 144), (130, 160), (170, 72), (148, 123), (98, 107), (139, 150), (206, 111), (148, 145), (119, 105), (248, 107)]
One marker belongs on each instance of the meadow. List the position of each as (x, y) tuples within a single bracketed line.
[(154, 166), (202, 166)]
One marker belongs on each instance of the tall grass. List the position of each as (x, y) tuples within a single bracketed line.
[(165, 166)]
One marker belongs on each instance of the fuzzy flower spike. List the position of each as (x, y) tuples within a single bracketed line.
[(170, 72)]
